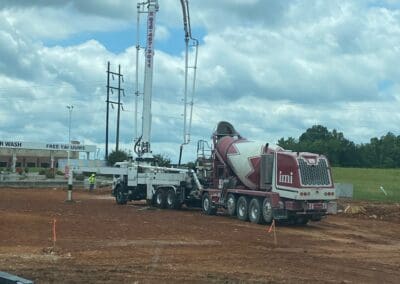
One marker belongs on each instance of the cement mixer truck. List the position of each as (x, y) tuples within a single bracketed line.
[(260, 183)]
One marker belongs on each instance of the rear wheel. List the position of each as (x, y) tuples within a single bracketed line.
[(207, 205), (255, 215), (171, 199), (231, 204), (267, 211), (120, 196), (242, 208), (161, 199)]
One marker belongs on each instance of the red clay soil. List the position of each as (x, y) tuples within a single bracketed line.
[(101, 242)]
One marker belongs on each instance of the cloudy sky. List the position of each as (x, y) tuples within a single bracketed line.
[(272, 68)]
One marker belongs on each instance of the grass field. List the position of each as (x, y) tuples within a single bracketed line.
[(367, 183)]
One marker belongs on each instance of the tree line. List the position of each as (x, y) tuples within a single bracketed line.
[(383, 152)]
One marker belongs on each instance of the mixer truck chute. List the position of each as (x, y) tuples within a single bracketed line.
[(261, 182)]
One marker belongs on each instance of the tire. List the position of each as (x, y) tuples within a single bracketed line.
[(161, 199), (255, 214), (231, 204), (302, 221), (120, 196), (242, 210), (291, 221), (316, 218), (266, 211), (206, 205), (171, 199)]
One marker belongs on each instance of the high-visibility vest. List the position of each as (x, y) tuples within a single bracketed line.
[(92, 179)]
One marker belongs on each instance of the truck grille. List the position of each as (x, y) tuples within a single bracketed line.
[(315, 175)]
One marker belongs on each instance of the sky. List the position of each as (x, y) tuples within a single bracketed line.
[(271, 68)]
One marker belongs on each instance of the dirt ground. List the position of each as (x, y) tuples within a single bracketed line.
[(101, 242)]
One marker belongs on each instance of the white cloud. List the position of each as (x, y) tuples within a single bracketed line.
[(44, 20), (272, 68)]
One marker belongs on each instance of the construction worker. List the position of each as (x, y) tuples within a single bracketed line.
[(92, 182)]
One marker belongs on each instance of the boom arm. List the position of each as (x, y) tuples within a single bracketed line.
[(187, 122), (142, 147), (145, 151)]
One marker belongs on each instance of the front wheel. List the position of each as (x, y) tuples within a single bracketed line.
[(242, 208), (231, 204), (267, 211), (316, 218), (120, 196), (255, 215), (207, 205)]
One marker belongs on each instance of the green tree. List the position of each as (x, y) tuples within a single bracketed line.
[(383, 152), (315, 133), (117, 156), (162, 160), (389, 150), (318, 139), (289, 144), (191, 165)]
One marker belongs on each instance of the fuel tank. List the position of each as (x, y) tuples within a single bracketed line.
[(241, 155)]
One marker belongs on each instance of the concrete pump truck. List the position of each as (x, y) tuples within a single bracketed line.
[(256, 182), (139, 179)]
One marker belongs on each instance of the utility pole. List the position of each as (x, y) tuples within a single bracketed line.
[(118, 103), (108, 105), (139, 6), (119, 107)]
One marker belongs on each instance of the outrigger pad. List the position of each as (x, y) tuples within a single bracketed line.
[(8, 278)]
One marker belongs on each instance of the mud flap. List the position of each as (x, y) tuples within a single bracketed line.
[(279, 214), (332, 207)]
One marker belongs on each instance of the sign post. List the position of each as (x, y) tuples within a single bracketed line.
[(70, 175)]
